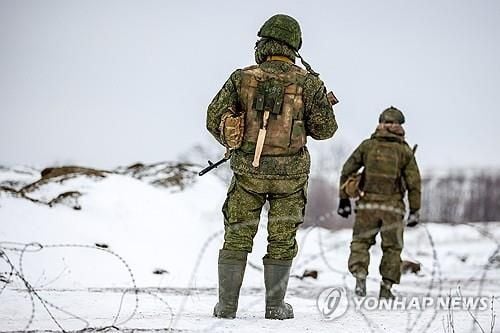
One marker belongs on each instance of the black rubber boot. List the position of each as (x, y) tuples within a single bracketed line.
[(276, 274), (360, 289), (385, 290), (231, 271)]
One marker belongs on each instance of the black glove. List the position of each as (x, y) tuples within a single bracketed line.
[(344, 209), (413, 219)]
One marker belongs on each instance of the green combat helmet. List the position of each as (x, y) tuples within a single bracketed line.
[(282, 28), (392, 115), (285, 29)]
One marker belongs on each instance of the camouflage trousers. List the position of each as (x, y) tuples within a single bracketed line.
[(242, 209), (368, 223)]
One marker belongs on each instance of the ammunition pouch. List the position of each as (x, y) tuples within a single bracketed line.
[(232, 129), (352, 187)]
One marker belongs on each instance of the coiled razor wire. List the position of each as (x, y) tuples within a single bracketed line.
[(436, 269), (201, 253), (436, 273), (32, 292), (23, 248)]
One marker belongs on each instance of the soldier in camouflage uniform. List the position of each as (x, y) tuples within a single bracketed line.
[(296, 103), (390, 169)]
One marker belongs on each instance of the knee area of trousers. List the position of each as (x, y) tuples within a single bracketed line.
[(237, 244)]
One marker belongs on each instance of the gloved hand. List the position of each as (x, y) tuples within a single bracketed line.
[(413, 219), (344, 209)]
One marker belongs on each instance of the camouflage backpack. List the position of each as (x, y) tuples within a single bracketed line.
[(280, 96)]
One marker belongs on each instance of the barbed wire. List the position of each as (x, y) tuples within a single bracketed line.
[(436, 269), (24, 248), (201, 253), (33, 293), (436, 266)]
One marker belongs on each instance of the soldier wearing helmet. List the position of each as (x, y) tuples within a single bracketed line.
[(263, 115), (389, 171)]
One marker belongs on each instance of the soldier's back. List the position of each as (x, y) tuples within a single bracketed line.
[(384, 159)]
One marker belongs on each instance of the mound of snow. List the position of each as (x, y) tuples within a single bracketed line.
[(149, 227)]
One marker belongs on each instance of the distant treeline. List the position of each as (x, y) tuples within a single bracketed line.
[(462, 196)]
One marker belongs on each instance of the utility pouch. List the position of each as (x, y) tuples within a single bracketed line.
[(352, 187), (232, 129)]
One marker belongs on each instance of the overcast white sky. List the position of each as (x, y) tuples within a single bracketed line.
[(104, 83)]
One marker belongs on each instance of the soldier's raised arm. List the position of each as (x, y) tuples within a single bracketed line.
[(225, 98), (319, 116)]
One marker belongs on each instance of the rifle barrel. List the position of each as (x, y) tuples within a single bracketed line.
[(212, 166)]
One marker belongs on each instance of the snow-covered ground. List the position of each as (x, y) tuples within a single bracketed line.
[(139, 256)]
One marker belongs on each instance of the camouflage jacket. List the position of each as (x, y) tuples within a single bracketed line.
[(320, 124), (390, 169)]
